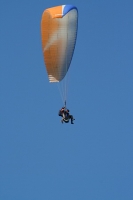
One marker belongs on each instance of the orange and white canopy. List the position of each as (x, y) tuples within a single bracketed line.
[(59, 31)]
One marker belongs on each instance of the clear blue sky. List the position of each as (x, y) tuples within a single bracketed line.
[(40, 158)]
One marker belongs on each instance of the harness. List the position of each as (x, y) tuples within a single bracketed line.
[(65, 117), (65, 114)]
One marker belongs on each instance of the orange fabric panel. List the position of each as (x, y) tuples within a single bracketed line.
[(55, 12), (49, 26)]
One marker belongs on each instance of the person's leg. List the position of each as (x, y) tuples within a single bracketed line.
[(71, 117)]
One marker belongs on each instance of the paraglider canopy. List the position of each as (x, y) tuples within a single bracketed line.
[(59, 31)]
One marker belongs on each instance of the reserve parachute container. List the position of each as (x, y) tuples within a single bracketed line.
[(59, 31)]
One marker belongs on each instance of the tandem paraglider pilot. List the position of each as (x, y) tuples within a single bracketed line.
[(64, 113)]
